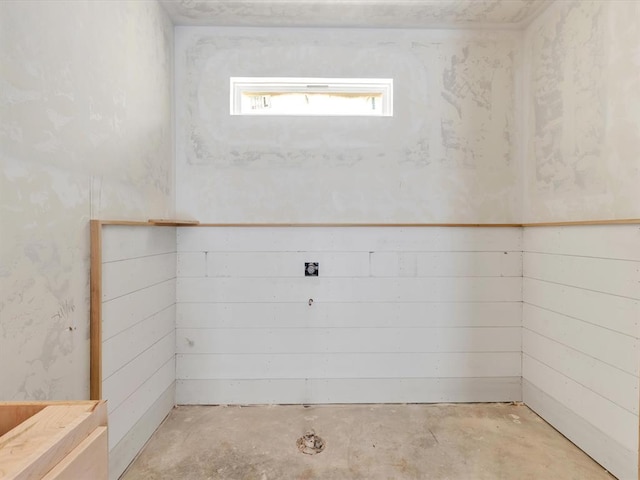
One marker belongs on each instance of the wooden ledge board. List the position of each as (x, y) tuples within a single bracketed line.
[(34, 447), (627, 221), (152, 222), (172, 223), (355, 225), (195, 223)]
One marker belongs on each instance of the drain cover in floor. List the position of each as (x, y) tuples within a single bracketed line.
[(310, 443)]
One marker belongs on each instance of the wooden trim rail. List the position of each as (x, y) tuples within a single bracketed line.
[(95, 309), (195, 223), (625, 221)]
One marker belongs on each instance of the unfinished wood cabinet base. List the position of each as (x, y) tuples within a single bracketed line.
[(53, 441)]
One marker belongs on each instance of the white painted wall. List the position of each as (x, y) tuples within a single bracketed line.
[(398, 315), (447, 155), (582, 90), (581, 337), (138, 335), (85, 131)]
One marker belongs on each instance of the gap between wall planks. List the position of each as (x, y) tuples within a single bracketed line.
[(96, 266)]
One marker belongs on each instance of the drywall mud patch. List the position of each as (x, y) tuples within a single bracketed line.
[(581, 131), (446, 155)]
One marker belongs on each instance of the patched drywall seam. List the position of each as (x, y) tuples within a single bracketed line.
[(446, 155), (583, 135)]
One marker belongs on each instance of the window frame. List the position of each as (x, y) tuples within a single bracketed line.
[(374, 86)]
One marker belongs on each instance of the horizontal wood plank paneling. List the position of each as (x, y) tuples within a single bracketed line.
[(401, 303), (320, 289), (347, 365), (124, 347), (123, 418), (192, 264), (610, 454), (600, 343), (286, 264), (123, 383), (581, 348), (151, 270), (126, 242), (441, 264), (349, 315), (353, 340), (138, 334), (601, 241), (605, 275), (352, 264), (354, 239), (610, 418), (122, 454), (609, 382), (398, 315), (622, 314), (125, 311), (349, 390)]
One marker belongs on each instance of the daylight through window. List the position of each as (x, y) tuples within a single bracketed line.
[(311, 96)]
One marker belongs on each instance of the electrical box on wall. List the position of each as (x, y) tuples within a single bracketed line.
[(311, 269)]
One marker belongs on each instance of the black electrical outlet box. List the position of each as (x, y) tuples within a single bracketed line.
[(311, 269)]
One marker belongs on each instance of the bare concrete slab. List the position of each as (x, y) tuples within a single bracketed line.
[(367, 442)]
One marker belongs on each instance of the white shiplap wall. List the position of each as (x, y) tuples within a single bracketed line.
[(398, 315), (581, 316), (138, 335)]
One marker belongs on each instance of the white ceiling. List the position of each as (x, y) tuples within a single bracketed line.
[(355, 13)]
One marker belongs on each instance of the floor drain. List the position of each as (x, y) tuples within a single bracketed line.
[(310, 443)]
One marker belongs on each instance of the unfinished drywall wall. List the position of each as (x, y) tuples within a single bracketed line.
[(582, 85), (448, 153), (395, 315), (86, 131)]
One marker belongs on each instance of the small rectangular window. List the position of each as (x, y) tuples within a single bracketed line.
[(372, 97)]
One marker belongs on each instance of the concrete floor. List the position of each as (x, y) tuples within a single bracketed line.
[(368, 442)]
